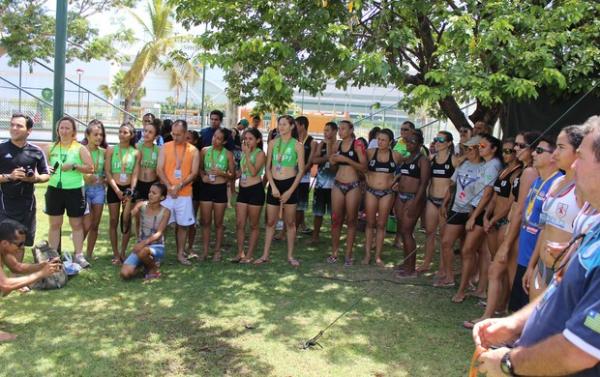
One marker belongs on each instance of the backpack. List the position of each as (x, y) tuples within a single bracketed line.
[(43, 252)]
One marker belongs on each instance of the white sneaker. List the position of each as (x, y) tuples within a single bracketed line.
[(80, 260)]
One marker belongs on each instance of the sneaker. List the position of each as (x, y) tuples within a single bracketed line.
[(80, 260)]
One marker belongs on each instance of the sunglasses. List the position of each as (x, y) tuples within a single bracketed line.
[(522, 145), (404, 129), (508, 151), (540, 150), (482, 146), (439, 139)]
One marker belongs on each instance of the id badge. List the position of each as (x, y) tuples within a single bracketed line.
[(177, 173), (123, 177), (278, 168), (212, 177), (243, 178)]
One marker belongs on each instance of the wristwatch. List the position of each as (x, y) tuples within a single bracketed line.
[(74, 167), (507, 366)]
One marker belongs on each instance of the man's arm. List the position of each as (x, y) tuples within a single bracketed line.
[(8, 285), (14, 265)]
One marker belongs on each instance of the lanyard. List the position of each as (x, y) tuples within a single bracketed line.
[(61, 157), (97, 162), (532, 198), (178, 161), (280, 154), (252, 154), (123, 158), (212, 156)]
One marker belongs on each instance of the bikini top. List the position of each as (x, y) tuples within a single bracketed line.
[(515, 186), (502, 184), (285, 155), (351, 153), (412, 168), (444, 170), (149, 156), (382, 167), (214, 159)]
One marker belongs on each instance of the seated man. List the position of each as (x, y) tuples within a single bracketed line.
[(12, 241), (558, 334), (151, 220)]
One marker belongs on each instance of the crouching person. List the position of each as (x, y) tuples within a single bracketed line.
[(151, 220)]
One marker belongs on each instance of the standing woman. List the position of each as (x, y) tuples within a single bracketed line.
[(148, 161), (95, 184), (251, 197), (69, 161), (217, 167), (559, 210), (285, 166), (443, 165), (380, 196), (122, 168), (351, 162), (411, 186), (490, 150)]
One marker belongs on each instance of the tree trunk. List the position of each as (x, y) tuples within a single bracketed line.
[(452, 110), (486, 114)]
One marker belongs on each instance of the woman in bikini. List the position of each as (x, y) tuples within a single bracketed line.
[(95, 184), (122, 170), (443, 165), (351, 161), (251, 197), (411, 185), (558, 212), (380, 196), (285, 165), (217, 167), (473, 250), (151, 220)]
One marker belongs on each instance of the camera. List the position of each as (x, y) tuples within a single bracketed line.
[(29, 172), (55, 167), (128, 192)]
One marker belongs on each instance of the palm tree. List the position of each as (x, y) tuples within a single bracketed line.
[(181, 71), (162, 42)]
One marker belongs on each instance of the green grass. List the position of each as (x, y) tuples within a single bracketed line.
[(222, 319)]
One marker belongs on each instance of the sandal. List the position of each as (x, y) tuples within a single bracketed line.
[(331, 259), (151, 276), (261, 260), (246, 260), (444, 284), (116, 261), (184, 261), (294, 262)]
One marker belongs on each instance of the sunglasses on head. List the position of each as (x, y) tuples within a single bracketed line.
[(508, 151), (540, 150), (439, 139), (522, 145)]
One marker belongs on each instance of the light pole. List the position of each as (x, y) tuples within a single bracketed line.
[(79, 73)]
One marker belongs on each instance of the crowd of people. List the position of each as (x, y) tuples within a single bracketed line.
[(512, 210)]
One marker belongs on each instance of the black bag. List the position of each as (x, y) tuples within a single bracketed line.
[(43, 252)]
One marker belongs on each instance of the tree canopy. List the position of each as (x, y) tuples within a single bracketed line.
[(439, 53), (27, 30)]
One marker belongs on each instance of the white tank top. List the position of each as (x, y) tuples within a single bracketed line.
[(560, 209), (588, 216)]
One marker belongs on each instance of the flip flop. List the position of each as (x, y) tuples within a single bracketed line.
[(458, 300), (348, 262), (192, 255), (184, 262), (331, 259), (440, 284), (261, 260), (246, 260), (152, 276), (294, 262)]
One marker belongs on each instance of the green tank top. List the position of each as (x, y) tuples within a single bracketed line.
[(284, 154), (400, 147), (245, 170), (149, 156), (71, 179), (214, 159), (124, 158), (98, 159)]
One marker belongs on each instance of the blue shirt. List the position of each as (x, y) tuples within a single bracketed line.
[(530, 223), (572, 306), (206, 135)]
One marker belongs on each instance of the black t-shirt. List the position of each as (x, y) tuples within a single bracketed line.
[(28, 157)]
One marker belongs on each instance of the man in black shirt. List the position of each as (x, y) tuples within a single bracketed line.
[(22, 165)]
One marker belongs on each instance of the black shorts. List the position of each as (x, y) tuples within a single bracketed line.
[(216, 193), (59, 200), (479, 219), (196, 189), (303, 189), (111, 195), (282, 186), (518, 297), (142, 189), (457, 218), (253, 195), (23, 211), (321, 202)]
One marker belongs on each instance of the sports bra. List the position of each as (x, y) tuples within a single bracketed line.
[(245, 170), (285, 155), (515, 185), (561, 209), (444, 170), (382, 167), (502, 184), (412, 168), (351, 153), (120, 158), (214, 159), (149, 156)]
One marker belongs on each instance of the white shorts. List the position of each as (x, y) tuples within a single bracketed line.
[(182, 211)]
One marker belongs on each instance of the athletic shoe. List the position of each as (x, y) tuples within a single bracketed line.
[(80, 260)]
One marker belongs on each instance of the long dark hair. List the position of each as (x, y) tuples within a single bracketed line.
[(95, 123), (495, 143), (292, 122), (129, 126)]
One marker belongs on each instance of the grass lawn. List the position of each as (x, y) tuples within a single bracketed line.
[(223, 319)]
